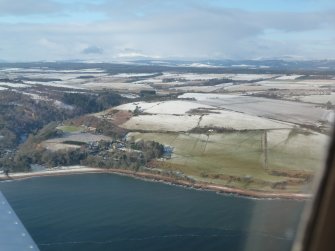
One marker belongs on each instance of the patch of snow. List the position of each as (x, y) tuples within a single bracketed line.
[(35, 96), (119, 86), (197, 88), (210, 88), (289, 77), (129, 95), (191, 76), (201, 65), (56, 84), (60, 104), (46, 70), (129, 75), (246, 77), (205, 96), (14, 85)]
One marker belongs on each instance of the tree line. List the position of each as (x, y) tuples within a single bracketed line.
[(104, 154)]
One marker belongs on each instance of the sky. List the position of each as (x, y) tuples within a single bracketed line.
[(112, 30)]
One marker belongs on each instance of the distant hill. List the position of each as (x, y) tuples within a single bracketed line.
[(201, 66)]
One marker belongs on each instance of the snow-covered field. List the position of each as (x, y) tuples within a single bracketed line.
[(201, 88), (65, 84), (98, 79), (175, 107), (14, 85), (162, 122), (267, 85), (246, 88), (191, 76), (150, 80), (246, 77), (282, 83), (173, 116), (288, 111), (289, 77), (195, 76), (164, 107), (289, 84), (240, 121), (193, 88), (205, 96), (318, 99), (47, 70), (116, 86), (131, 75), (318, 82)]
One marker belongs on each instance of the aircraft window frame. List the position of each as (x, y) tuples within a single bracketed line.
[(318, 222)]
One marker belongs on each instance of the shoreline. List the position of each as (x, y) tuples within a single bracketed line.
[(159, 178)]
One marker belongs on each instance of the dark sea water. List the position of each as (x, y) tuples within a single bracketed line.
[(110, 212)]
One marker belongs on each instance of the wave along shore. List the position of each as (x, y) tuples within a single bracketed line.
[(157, 177)]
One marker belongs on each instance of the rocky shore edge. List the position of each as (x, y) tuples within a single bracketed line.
[(159, 178)]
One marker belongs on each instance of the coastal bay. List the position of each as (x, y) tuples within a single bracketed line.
[(107, 211)]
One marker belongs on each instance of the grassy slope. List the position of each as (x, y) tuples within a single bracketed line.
[(70, 128), (239, 154)]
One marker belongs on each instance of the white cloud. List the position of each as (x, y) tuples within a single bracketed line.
[(47, 43), (198, 32)]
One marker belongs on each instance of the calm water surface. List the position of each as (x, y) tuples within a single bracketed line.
[(110, 212)]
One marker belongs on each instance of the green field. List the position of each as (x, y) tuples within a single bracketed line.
[(241, 155), (70, 128)]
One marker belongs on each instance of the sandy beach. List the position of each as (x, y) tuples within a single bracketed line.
[(155, 177)]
